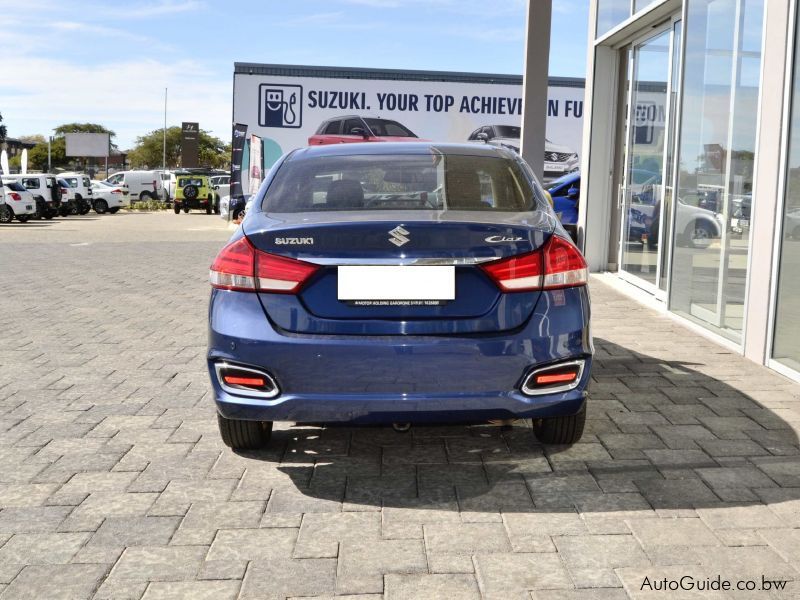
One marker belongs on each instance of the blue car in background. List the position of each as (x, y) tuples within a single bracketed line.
[(399, 283), (566, 191)]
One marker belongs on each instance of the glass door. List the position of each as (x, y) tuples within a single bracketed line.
[(647, 161)]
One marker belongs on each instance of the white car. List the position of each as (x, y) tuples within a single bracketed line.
[(80, 186), (108, 198), (558, 160), (168, 182), (45, 190), (19, 203), (222, 187)]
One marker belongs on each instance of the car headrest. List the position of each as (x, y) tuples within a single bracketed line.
[(345, 193)]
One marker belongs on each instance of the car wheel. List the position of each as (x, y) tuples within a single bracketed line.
[(236, 214), (100, 207), (186, 209), (700, 235), (177, 209), (114, 210), (73, 208), (23, 218), (560, 430), (6, 214), (244, 435), (49, 214), (85, 210), (209, 206), (145, 196)]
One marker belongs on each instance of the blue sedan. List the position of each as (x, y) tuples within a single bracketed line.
[(399, 283)]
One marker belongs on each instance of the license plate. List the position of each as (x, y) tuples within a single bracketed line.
[(396, 283)]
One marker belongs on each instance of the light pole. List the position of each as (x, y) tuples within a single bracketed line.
[(164, 151)]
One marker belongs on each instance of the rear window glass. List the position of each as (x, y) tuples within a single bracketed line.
[(183, 182), (383, 127), (400, 182), (16, 186)]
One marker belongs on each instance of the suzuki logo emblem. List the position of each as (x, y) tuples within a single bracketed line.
[(553, 156), (398, 236)]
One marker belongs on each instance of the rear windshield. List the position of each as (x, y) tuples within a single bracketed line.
[(16, 186), (384, 127), (507, 131), (400, 182), (190, 181)]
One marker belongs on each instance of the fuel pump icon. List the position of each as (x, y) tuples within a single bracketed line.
[(279, 108)]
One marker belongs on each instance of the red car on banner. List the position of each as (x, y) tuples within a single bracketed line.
[(351, 129)]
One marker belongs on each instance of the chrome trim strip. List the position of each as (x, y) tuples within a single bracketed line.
[(467, 260), (558, 388), (237, 391)]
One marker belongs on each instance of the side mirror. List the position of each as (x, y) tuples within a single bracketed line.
[(358, 131), (482, 137), (573, 193)]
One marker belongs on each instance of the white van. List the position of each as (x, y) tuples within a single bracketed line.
[(80, 186), (144, 185)]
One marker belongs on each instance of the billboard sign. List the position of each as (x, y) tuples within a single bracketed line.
[(87, 144), (190, 144), (285, 106)]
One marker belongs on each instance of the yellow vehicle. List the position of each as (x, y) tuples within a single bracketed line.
[(194, 190)]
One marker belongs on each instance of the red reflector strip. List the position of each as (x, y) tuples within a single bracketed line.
[(547, 378), (250, 381)]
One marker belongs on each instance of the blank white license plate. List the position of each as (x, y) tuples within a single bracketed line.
[(397, 283)]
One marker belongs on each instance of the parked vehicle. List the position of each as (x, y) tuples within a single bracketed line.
[(81, 186), (222, 187), (168, 185), (75, 205), (108, 198), (193, 190), (234, 206), (447, 292), (45, 192), (558, 159), (19, 203), (144, 185), (565, 192), (353, 128)]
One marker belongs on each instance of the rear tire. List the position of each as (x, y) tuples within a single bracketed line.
[(186, 210), (561, 430), (145, 196), (114, 210), (6, 214), (100, 207), (177, 209), (244, 435), (23, 218)]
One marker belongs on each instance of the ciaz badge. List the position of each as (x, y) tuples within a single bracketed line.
[(494, 239), (294, 241)]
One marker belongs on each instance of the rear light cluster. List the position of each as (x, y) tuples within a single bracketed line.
[(558, 264), (554, 378), (15, 196), (241, 267), (246, 381)]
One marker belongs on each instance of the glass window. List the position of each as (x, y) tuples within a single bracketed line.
[(640, 4), (388, 128), (352, 124), (786, 342), (31, 183), (400, 182), (332, 128), (611, 13), (715, 162)]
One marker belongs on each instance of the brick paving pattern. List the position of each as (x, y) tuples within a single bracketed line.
[(114, 482)]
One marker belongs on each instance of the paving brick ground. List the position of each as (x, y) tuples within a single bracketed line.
[(114, 483)]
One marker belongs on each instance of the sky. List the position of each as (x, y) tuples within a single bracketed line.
[(109, 62)]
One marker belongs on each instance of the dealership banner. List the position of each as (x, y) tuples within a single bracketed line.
[(286, 110), (256, 160), (237, 156)]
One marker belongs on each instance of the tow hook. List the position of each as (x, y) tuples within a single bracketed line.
[(401, 427)]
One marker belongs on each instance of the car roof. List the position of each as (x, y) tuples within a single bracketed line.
[(407, 148)]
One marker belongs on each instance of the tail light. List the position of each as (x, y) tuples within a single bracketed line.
[(15, 196), (116, 191), (561, 377), (246, 381), (241, 267), (558, 264), (63, 191)]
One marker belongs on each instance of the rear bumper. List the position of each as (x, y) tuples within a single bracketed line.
[(399, 378)]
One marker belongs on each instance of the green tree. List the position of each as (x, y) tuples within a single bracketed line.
[(148, 150), (2, 130)]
